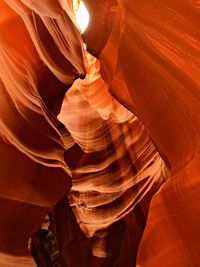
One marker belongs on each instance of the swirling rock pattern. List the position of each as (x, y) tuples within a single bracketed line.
[(31, 143), (119, 163), (133, 115), (153, 54)]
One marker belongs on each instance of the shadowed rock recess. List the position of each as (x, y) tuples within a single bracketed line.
[(99, 133)]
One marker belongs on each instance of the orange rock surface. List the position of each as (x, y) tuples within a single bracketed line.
[(95, 154)]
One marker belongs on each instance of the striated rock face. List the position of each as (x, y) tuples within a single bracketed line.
[(36, 56), (118, 164), (96, 167), (153, 54), (155, 59)]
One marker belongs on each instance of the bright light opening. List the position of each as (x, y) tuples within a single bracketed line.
[(82, 17)]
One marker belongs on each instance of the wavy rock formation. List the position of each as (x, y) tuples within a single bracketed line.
[(136, 112), (153, 54), (38, 64), (119, 163)]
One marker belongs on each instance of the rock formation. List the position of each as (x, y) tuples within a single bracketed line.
[(93, 156)]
